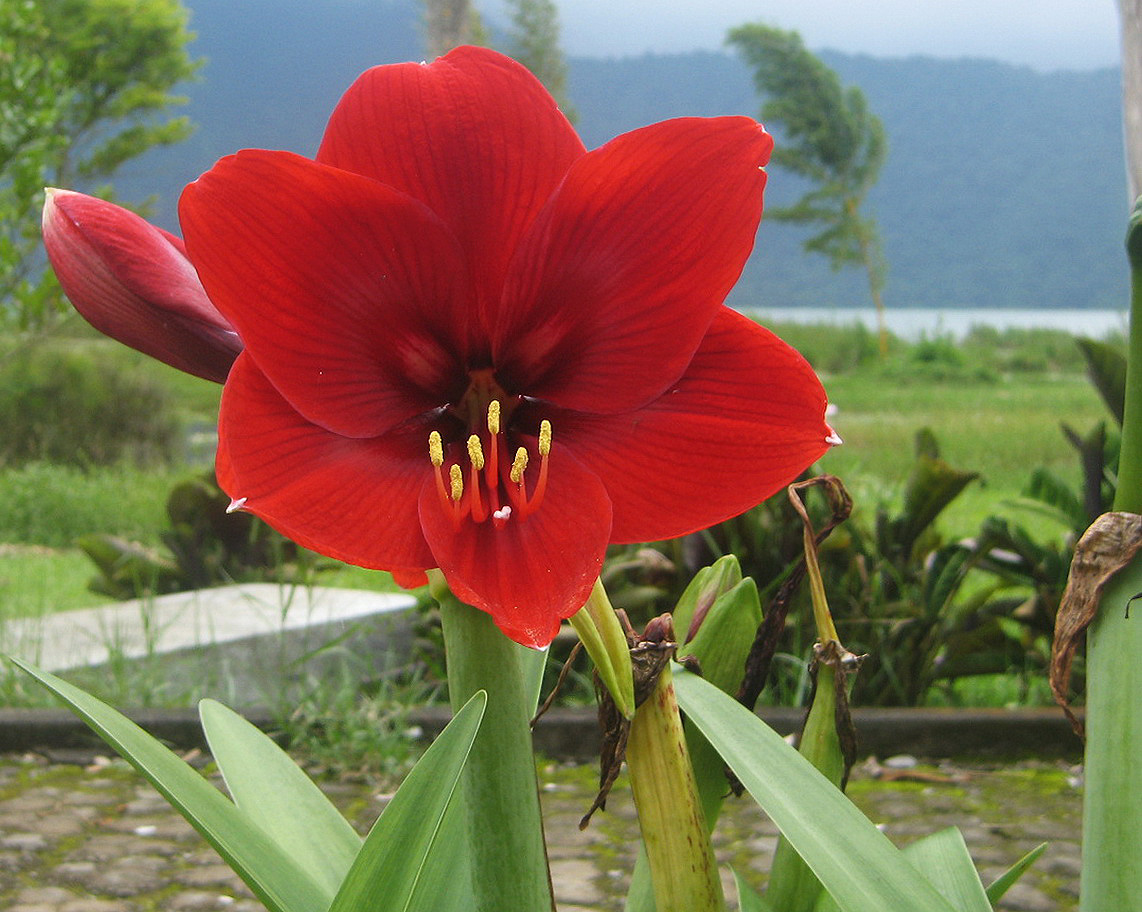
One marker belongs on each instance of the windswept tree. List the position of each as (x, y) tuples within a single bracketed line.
[(830, 138), (84, 87)]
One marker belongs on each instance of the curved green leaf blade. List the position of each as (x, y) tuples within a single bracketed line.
[(1007, 879), (387, 873), (854, 861), (277, 882), (279, 797), (749, 900), (445, 883), (1106, 366), (944, 859)]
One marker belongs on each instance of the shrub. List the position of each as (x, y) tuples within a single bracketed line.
[(82, 404), (53, 505), (832, 348)]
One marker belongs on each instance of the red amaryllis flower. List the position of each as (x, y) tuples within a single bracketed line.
[(473, 345), (133, 282)]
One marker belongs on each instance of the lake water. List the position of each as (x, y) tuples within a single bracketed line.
[(912, 323)]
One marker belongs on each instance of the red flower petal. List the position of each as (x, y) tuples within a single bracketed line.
[(745, 419), (620, 276), (354, 500), (473, 135), (530, 574), (133, 282), (350, 296)]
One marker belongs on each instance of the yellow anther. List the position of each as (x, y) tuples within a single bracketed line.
[(544, 437), (456, 476), (518, 465), (494, 417), (435, 449), (475, 452)]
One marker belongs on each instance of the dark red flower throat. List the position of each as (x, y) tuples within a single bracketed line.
[(477, 475)]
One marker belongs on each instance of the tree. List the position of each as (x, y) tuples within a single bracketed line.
[(449, 24), (84, 87), (533, 38), (534, 42), (832, 140)]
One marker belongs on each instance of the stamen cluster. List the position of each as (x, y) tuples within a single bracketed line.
[(487, 495)]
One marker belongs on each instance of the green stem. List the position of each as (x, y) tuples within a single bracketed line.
[(1112, 800), (1128, 496), (682, 865), (602, 636), (501, 793), (1112, 806)]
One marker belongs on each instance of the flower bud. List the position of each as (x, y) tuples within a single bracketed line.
[(708, 584), (134, 283)]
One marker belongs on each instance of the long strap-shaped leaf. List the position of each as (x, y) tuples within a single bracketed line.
[(944, 859), (278, 796), (854, 861), (387, 874), (281, 885)]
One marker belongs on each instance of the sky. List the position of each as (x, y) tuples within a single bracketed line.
[(1044, 34)]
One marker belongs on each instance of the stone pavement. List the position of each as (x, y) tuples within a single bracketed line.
[(97, 838)]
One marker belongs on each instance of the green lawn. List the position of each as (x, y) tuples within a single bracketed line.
[(1002, 430)]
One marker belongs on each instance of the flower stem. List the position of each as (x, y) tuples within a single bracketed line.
[(682, 864), (1112, 806), (606, 643), (501, 793)]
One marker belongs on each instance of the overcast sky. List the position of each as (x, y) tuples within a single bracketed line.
[(1045, 34)]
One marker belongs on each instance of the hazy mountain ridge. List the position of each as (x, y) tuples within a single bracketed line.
[(1004, 187)]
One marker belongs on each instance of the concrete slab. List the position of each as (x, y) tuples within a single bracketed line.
[(252, 643)]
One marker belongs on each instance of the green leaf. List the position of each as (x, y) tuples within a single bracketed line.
[(943, 858), (388, 872), (1051, 491), (930, 488), (277, 796), (749, 900), (1007, 879), (268, 871), (1106, 366), (854, 861), (446, 880)]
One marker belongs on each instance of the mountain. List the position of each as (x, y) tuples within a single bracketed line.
[(1003, 187)]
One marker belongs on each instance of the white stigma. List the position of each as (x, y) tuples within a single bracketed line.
[(834, 439), (236, 505), (502, 513)]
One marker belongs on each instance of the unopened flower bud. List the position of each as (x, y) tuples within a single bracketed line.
[(134, 283)]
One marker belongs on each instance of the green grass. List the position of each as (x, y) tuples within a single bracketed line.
[(35, 581), (43, 504), (1001, 429)]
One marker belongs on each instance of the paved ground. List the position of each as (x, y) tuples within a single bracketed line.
[(96, 838)]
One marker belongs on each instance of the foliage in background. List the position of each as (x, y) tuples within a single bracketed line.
[(73, 404), (84, 87), (829, 137), (344, 728), (533, 40), (928, 612), (1018, 382), (449, 24), (205, 546)]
